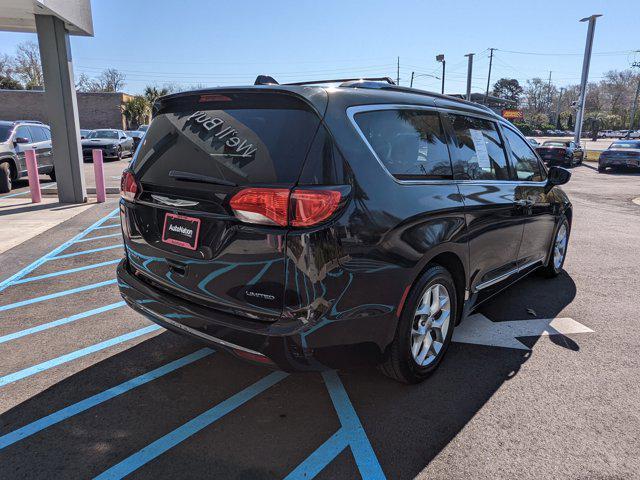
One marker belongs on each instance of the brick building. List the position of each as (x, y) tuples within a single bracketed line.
[(96, 110)]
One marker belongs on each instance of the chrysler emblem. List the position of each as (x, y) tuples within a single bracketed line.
[(174, 202)]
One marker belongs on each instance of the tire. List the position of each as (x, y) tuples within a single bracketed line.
[(119, 153), (5, 178), (399, 362), (52, 174), (602, 169), (553, 268)]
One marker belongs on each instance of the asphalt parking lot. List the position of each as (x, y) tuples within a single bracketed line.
[(112, 173), (548, 388)]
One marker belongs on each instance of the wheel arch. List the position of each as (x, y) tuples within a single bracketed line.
[(455, 265)]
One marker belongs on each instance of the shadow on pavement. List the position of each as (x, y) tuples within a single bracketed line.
[(271, 434)]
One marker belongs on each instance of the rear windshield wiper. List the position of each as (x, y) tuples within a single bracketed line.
[(196, 177)]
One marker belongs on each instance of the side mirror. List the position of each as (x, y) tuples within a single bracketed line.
[(557, 176), (21, 140)]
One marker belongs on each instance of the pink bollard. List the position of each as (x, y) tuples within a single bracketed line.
[(32, 172), (98, 171)]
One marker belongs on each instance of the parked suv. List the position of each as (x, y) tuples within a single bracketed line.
[(15, 139), (315, 227)]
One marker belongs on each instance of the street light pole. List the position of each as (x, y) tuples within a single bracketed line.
[(469, 70), (585, 75), (440, 58), (635, 102), (557, 119)]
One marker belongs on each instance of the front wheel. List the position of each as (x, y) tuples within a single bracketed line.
[(602, 169), (5, 178), (425, 328), (559, 250), (52, 174)]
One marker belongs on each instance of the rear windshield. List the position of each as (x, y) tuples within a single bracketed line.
[(554, 144), (260, 140), (625, 145)]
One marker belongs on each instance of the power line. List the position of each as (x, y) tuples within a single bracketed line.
[(613, 53)]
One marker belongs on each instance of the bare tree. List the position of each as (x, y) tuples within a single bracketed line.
[(111, 80), (27, 65), (6, 65), (84, 83)]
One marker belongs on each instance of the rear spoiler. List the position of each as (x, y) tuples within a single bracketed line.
[(315, 98)]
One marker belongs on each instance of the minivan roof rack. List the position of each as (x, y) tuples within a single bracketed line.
[(343, 80)]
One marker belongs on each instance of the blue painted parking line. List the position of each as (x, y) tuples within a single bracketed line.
[(54, 362), (351, 434), (43, 298), (57, 323), (193, 426), (15, 194), (32, 266), (115, 225), (90, 402), (99, 237), (86, 252), (66, 272)]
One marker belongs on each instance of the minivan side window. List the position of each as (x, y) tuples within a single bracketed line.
[(525, 162), (410, 143), (37, 133), (23, 131), (478, 152)]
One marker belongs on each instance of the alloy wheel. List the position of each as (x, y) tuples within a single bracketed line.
[(560, 246), (430, 324)]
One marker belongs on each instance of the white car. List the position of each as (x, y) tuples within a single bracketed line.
[(635, 134)]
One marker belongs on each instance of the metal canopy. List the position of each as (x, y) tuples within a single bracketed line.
[(19, 15)]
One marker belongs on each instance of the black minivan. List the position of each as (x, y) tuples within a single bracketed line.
[(322, 225)]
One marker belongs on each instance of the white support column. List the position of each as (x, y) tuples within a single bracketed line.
[(62, 106)]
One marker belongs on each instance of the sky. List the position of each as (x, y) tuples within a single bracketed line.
[(213, 43)]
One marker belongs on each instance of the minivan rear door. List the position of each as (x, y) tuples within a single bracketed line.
[(201, 150)]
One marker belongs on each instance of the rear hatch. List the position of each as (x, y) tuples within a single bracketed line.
[(551, 152), (204, 164)]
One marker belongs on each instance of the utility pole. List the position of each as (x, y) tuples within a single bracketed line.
[(411, 84), (398, 74), (558, 107), (469, 71), (585, 75), (486, 95), (549, 96), (440, 58), (632, 117)]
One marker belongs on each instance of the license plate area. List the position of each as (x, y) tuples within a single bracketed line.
[(181, 231)]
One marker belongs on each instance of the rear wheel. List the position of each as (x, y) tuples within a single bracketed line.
[(5, 178), (425, 328), (52, 174), (559, 252)]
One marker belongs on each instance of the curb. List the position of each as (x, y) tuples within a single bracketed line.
[(90, 191)]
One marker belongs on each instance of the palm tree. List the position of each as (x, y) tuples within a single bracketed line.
[(135, 110), (152, 93)]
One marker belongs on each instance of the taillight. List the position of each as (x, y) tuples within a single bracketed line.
[(270, 206), (128, 186), (313, 206)]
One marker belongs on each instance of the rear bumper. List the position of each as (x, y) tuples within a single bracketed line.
[(619, 162), (288, 344)]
